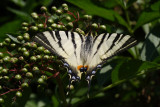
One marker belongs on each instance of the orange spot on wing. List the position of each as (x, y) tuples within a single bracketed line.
[(79, 67)]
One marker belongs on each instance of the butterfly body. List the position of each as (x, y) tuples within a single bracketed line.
[(83, 54)]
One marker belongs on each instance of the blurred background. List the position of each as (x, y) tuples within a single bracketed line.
[(138, 80)]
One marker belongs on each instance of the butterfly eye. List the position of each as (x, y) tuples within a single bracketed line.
[(85, 69), (82, 69)]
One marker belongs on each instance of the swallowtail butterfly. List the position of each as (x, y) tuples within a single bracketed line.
[(83, 54)]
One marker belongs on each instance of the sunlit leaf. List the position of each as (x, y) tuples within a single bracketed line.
[(93, 9)]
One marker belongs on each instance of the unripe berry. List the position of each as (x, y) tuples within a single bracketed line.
[(29, 75), (7, 40), (33, 58), (1, 100), (24, 70), (19, 38), (43, 9), (24, 85), (18, 77), (26, 36), (34, 15), (19, 94), (1, 55)]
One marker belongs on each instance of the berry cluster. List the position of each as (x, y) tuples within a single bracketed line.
[(23, 62)]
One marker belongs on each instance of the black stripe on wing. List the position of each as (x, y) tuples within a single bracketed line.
[(101, 42), (113, 43), (128, 44), (58, 36)]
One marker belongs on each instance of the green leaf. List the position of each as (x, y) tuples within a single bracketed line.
[(21, 14), (20, 3), (93, 9), (156, 6), (151, 46), (9, 27), (128, 68), (146, 17), (15, 39)]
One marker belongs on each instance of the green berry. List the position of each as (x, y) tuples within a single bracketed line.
[(33, 58), (68, 18), (19, 38), (54, 9), (29, 75), (41, 48), (94, 25), (36, 69), (6, 78), (102, 27), (26, 36), (6, 59), (59, 27), (13, 60), (54, 26), (13, 45), (39, 57), (24, 85), (87, 17), (24, 70), (26, 53), (40, 26), (50, 21), (7, 40), (25, 24), (4, 71), (65, 9), (1, 100), (43, 9), (23, 49), (58, 12), (41, 81), (18, 94), (18, 77), (33, 45), (34, 15), (0, 87), (46, 57), (46, 51), (1, 55), (69, 25), (44, 77), (26, 65), (34, 28), (64, 5), (1, 44), (21, 58), (25, 28)]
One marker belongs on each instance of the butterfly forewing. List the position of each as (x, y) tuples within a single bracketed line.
[(66, 45), (106, 46)]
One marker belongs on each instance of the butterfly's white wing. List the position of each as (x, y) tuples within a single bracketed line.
[(66, 45), (106, 46)]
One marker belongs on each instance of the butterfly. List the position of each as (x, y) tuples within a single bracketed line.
[(83, 54)]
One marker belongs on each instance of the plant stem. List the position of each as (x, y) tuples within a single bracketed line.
[(61, 91)]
